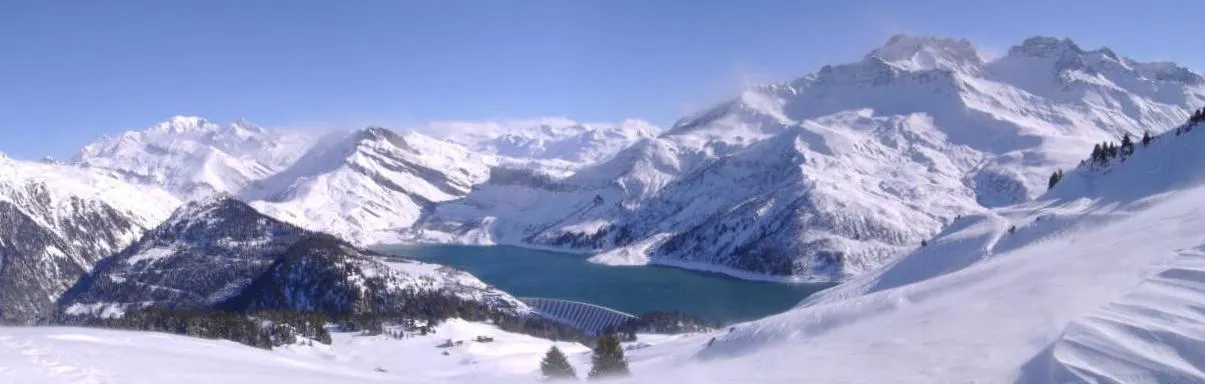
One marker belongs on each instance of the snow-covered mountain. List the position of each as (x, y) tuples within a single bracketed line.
[(193, 157), (56, 221), (365, 184), (1099, 280), (830, 175), (821, 178), (554, 145), (218, 252)]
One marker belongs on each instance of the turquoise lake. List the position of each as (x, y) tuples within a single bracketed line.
[(636, 290)]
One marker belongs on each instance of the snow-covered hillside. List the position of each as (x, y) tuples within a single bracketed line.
[(218, 252), (56, 221), (60, 355), (365, 184), (193, 157), (1101, 280), (831, 175)]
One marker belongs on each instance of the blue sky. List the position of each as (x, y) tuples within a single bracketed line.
[(70, 71)]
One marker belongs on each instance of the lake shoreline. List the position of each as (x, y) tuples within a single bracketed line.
[(697, 267), (707, 295)]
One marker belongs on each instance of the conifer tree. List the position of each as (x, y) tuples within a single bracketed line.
[(1127, 145), (556, 366), (1054, 178), (1146, 138), (608, 360)]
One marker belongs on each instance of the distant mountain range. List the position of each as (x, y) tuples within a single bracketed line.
[(920, 176), (833, 174), (103, 214), (824, 177)]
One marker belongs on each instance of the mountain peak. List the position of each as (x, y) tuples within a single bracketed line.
[(217, 202), (183, 124), (379, 134), (191, 156), (1046, 46), (247, 128), (926, 52), (1168, 71)]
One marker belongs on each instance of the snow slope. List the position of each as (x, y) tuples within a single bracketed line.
[(74, 355), (1102, 281), (193, 157), (56, 221), (831, 175), (60, 355), (367, 183)]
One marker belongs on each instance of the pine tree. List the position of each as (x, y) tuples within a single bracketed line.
[(1146, 138), (608, 358), (1054, 178), (1127, 145), (556, 366)]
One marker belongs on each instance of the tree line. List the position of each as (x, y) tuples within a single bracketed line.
[(419, 314), (1103, 153), (261, 329)]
